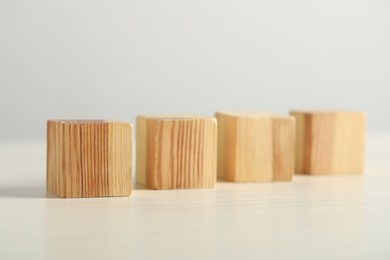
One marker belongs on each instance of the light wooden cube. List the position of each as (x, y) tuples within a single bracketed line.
[(89, 158), (329, 142), (255, 147), (176, 152)]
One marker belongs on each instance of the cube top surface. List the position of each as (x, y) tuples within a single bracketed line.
[(253, 115), (175, 117), (326, 112), (83, 121)]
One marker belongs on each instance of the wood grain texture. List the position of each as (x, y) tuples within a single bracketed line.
[(89, 158), (329, 142), (176, 152), (255, 147)]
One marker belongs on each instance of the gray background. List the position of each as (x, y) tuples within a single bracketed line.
[(115, 59)]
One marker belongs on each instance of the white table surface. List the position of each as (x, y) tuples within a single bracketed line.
[(339, 217)]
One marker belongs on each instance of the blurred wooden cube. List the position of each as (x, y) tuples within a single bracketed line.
[(330, 142), (255, 147), (89, 158), (176, 152)]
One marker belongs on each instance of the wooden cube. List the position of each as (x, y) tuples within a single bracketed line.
[(329, 142), (176, 152), (89, 158), (255, 147)]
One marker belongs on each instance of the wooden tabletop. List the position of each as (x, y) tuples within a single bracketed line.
[(329, 217)]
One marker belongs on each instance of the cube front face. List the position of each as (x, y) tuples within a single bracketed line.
[(330, 142), (255, 148), (253, 153), (90, 158), (176, 153)]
